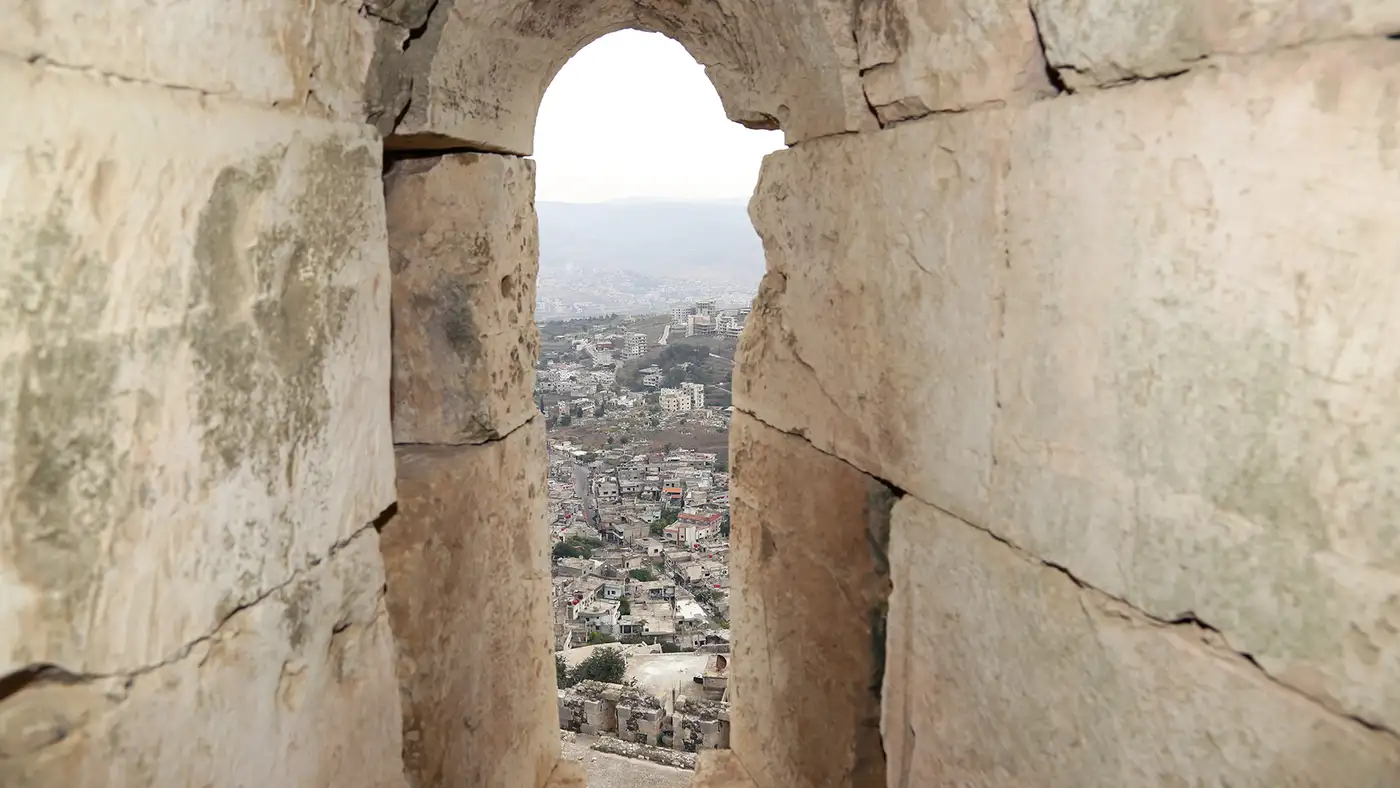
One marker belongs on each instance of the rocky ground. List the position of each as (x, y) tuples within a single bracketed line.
[(606, 770)]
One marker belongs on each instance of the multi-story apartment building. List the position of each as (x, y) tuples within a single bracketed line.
[(696, 391)]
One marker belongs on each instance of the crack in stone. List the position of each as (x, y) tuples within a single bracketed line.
[(495, 437), (47, 673), (1187, 620), (980, 106), (45, 62), (861, 72), (790, 340), (1052, 72)]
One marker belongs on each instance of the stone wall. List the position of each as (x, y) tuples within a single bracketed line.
[(467, 552), (194, 353), (1119, 343), (632, 715), (1066, 439)]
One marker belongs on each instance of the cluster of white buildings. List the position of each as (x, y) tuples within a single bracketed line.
[(608, 349), (574, 380), (703, 319)]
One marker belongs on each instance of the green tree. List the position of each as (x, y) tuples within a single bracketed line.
[(642, 575), (561, 672), (625, 608), (595, 638), (604, 664), (566, 550), (669, 516), (657, 528), (566, 420), (611, 441), (724, 526)]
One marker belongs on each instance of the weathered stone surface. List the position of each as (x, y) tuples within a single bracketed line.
[(299, 54), (480, 69), (874, 330), (922, 56), (808, 568), (721, 769), (194, 358), (465, 253), (1101, 41), (1200, 410), (1004, 672), (468, 567), (389, 83), (404, 13), (297, 689), (568, 774)]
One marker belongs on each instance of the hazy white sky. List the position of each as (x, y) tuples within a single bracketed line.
[(632, 115)]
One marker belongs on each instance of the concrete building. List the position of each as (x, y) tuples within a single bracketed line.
[(674, 400), (699, 326), (636, 345), (697, 394)]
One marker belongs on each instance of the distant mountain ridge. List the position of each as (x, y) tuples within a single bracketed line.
[(710, 240)]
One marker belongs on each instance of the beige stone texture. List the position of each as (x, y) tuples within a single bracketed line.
[(1094, 42), (464, 251), (1004, 672), (808, 565), (1199, 404), (480, 69), (297, 689), (922, 56), (302, 55), (881, 304), (568, 774), (194, 299), (720, 769), (467, 558)]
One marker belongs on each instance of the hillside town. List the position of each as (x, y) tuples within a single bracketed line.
[(638, 481), (637, 410)]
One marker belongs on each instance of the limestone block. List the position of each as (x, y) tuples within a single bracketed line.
[(874, 330), (1198, 374), (479, 70), (297, 689), (468, 589), (721, 769), (568, 774), (1002, 671), (407, 14), (464, 252), (194, 353), (308, 55), (389, 83), (922, 56), (807, 565), (1102, 41)]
